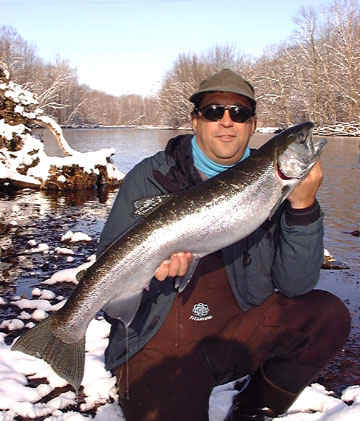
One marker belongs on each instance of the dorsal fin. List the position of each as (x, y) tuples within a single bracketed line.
[(144, 207)]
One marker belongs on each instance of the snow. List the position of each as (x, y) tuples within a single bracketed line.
[(267, 129), (8, 131), (74, 237), (41, 248), (69, 275), (18, 398), (63, 250), (12, 324), (32, 154), (19, 95)]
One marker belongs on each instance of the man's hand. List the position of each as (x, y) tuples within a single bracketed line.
[(304, 193), (177, 265)]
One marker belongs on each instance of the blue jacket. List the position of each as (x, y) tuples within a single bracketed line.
[(284, 254)]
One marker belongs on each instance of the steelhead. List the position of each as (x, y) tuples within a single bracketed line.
[(203, 219)]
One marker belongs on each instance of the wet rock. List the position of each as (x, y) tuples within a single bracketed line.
[(330, 263), (334, 265)]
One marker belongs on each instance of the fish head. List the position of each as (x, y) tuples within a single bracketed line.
[(297, 151)]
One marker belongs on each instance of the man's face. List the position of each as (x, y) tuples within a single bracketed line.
[(223, 141)]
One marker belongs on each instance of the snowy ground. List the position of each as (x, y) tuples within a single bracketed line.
[(29, 389)]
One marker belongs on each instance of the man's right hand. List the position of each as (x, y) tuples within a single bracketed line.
[(177, 265)]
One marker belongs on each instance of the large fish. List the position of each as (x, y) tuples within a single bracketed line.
[(203, 219)]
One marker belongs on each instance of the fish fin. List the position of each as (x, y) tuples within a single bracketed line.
[(124, 310), (182, 282), (144, 207), (67, 360)]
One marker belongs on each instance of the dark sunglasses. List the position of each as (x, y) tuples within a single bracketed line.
[(215, 112)]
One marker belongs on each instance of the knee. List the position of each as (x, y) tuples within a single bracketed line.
[(327, 325), (330, 307), (330, 312)]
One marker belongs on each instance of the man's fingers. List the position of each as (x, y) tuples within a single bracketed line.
[(304, 194), (176, 266), (162, 271), (182, 263)]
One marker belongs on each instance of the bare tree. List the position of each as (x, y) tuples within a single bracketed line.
[(184, 78), (344, 49)]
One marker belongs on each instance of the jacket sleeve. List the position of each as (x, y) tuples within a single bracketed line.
[(136, 185), (299, 255)]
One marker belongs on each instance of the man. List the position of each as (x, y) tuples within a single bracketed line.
[(249, 321)]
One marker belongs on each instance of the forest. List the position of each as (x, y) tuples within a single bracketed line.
[(314, 75)]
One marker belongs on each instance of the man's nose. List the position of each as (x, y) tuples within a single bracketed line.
[(226, 119)]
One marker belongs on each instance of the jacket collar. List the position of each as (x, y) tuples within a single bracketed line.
[(178, 172)]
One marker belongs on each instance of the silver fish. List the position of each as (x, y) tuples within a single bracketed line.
[(203, 219)]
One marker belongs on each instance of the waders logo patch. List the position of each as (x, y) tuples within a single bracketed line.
[(200, 312)]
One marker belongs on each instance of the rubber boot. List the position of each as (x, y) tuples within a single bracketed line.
[(261, 400)]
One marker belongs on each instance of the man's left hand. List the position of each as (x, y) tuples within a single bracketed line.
[(304, 193)]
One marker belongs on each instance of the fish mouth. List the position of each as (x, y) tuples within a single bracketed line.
[(281, 174)]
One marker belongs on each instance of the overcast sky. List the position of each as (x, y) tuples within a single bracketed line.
[(126, 46)]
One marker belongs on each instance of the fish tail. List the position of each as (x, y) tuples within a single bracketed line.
[(67, 360)]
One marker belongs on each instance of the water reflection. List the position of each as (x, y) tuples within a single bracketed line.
[(78, 198), (339, 196), (23, 203), (131, 145)]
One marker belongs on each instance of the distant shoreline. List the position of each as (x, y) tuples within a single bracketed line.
[(261, 130)]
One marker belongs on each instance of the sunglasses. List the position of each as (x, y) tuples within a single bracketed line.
[(215, 112)]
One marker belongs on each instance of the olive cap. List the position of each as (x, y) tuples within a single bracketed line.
[(225, 81)]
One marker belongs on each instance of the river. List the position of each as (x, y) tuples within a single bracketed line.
[(45, 218)]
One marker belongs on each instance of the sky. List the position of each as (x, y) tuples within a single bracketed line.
[(127, 46)]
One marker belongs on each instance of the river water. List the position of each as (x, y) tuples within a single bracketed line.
[(46, 218)]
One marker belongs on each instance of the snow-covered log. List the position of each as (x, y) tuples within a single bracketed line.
[(23, 161)]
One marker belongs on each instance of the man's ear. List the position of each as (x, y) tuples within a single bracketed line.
[(254, 124), (194, 120)]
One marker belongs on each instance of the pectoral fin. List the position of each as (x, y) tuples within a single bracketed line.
[(124, 309)]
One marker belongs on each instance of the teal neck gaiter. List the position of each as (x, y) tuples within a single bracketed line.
[(206, 165)]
